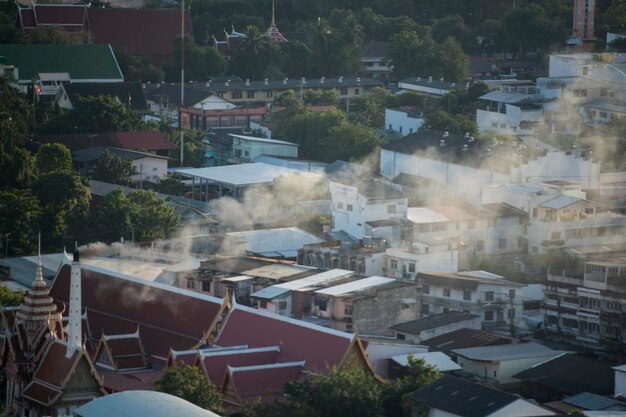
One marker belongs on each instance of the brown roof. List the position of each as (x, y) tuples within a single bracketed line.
[(142, 380), (144, 32), (320, 347), (152, 140), (247, 386), (41, 393), (167, 317), (215, 366), (54, 366), (70, 17)]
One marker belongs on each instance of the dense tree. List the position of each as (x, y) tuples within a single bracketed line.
[(454, 27), (111, 219), (169, 185), (94, 114), (452, 61), (113, 169), (188, 383), (296, 59), (459, 124), (65, 200), (8, 31), (19, 219), (53, 157), (351, 141), (412, 55), (528, 28), (138, 68), (201, 62), (254, 54), (10, 298), (151, 218), (463, 101)]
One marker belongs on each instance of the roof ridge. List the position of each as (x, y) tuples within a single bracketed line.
[(277, 365)]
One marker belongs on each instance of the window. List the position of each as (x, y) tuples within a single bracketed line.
[(411, 266), (426, 289), (405, 306), (488, 315), (250, 94), (394, 264), (603, 115), (467, 295), (400, 336), (269, 94), (501, 243), (237, 94), (263, 304), (321, 304), (446, 292), (604, 92), (391, 208), (480, 245), (190, 284), (340, 205), (356, 91), (348, 327), (446, 310), (349, 207), (511, 294), (282, 305), (347, 310), (343, 91), (206, 286), (425, 309), (489, 296)]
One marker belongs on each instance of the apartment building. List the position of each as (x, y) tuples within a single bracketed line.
[(496, 300), (363, 257), (512, 110), (586, 305)]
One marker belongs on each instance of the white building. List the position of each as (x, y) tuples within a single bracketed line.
[(248, 148), (404, 120), (510, 110), (147, 166), (497, 301), (429, 86), (352, 206), (574, 168), (405, 262), (432, 326), (500, 362), (620, 380)]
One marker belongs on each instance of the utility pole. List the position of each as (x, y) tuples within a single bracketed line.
[(182, 82)]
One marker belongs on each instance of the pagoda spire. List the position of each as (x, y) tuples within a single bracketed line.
[(39, 276), (74, 324), (273, 24)]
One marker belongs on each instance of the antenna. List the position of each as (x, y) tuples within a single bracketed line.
[(182, 82)]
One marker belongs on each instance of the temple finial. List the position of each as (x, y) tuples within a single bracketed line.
[(273, 15), (39, 276)]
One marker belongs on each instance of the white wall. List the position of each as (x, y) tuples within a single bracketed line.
[(399, 121), (620, 383), (467, 181), (559, 166), (150, 169)]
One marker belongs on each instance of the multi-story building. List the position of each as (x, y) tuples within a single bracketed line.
[(404, 120), (496, 300), (512, 110), (405, 262), (586, 305), (365, 258), (368, 306), (355, 204)]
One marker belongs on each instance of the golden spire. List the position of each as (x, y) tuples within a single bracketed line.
[(273, 16)]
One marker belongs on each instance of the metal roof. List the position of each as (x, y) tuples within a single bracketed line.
[(439, 360), (504, 96), (263, 140), (561, 202), (299, 284), (240, 175), (358, 285), (507, 352), (141, 403), (590, 401), (283, 242)]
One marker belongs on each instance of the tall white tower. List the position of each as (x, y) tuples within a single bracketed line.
[(75, 332)]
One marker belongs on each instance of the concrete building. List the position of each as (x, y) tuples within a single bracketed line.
[(147, 166), (404, 120), (373, 60), (247, 148), (363, 258), (586, 306), (368, 306), (512, 110), (355, 204), (430, 86), (493, 298), (406, 262)]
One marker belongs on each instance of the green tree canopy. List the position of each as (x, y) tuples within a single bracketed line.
[(151, 218), (54, 34), (53, 157), (113, 169), (254, 54), (94, 114), (188, 383), (201, 62), (138, 69), (10, 298), (19, 218), (459, 123)]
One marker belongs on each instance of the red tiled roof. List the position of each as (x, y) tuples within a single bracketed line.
[(58, 14), (152, 140), (143, 380), (187, 358), (146, 32), (131, 362), (54, 366), (41, 393), (167, 317), (215, 365), (320, 347), (248, 388)]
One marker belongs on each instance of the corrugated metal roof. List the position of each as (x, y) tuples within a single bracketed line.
[(263, 140), (560, 202), (439, 360), (306, 282), (504, 96), (240, 175), (507, 352), (359, 285)]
